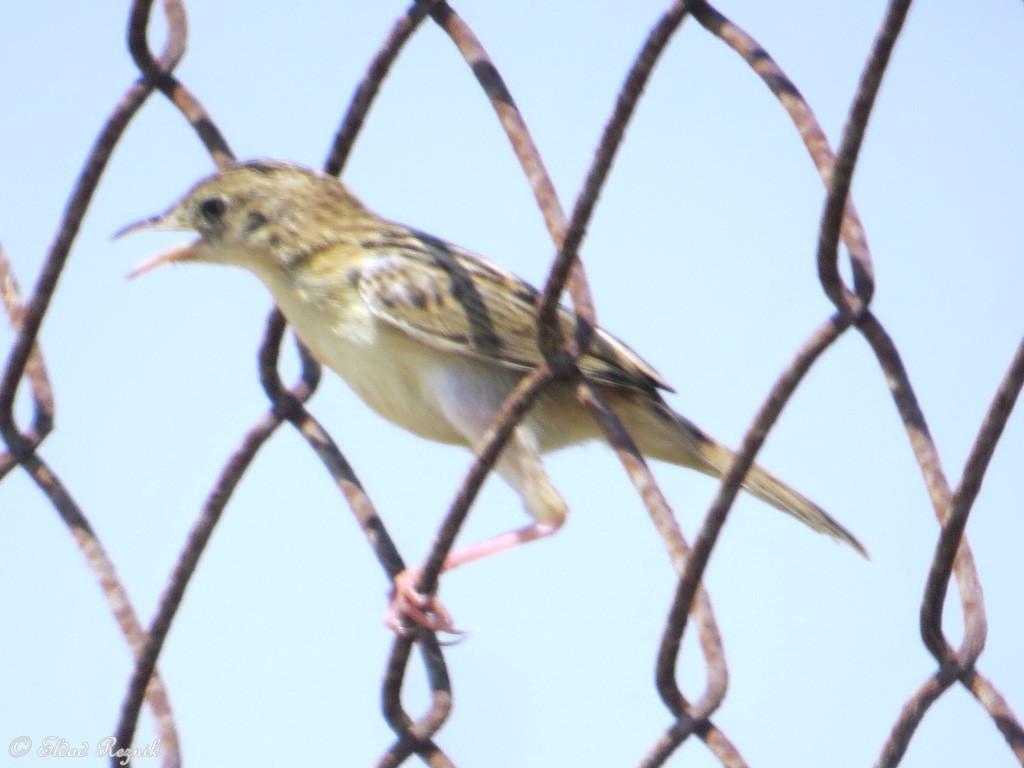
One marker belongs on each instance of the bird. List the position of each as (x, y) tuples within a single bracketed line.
[(433, 338)]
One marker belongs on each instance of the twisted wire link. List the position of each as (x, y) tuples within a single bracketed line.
[(35, 368)]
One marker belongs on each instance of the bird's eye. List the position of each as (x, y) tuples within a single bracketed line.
[(212, 208)]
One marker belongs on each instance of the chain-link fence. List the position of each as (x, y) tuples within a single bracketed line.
[(419, 725)]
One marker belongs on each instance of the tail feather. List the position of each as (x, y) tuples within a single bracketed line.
[(773, 491), (663, 434)]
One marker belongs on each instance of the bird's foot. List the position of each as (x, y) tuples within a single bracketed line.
[(411, 608)]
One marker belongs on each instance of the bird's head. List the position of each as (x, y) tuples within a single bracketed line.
[(263, 215)]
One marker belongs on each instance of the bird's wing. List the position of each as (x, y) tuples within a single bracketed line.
[(455, 300)]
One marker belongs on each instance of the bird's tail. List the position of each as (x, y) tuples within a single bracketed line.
[(661, 433)]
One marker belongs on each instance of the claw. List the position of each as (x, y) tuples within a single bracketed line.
[(410, 609)]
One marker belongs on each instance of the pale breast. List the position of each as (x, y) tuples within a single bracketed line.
[(382, 365)]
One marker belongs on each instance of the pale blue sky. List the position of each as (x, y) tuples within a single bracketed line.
[(700, 256)]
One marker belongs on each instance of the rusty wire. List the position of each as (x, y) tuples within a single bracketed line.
[(21, 447), (838, 179), (35, 368), (839, 222)]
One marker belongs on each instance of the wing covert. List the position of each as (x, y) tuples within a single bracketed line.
[(454, 300)]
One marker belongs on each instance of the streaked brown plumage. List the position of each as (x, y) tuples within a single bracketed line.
[(433, 337)]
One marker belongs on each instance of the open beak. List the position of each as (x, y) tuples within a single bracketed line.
[(174, 255), (152, 224), (159, 223)]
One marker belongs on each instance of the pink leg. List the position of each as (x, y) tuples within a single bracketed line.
[(521, 467), (499, 543), (410, 605)]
